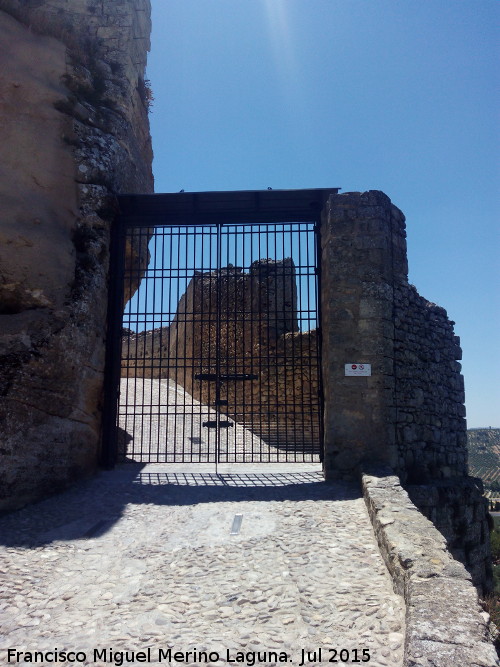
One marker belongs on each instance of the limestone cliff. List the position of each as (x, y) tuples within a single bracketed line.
[(74, 132)]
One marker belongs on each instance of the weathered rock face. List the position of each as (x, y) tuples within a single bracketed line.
[(74, 132), (248, 320)]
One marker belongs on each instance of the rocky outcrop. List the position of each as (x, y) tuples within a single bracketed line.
[(73, 118)]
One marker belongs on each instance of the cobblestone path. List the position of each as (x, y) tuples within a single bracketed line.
[(141, 559)]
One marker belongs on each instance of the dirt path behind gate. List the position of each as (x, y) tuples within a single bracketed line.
[(161, 422)]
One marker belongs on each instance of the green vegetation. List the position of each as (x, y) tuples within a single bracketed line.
[(495, 554), (484, 456), (484, 462), (493, 600)]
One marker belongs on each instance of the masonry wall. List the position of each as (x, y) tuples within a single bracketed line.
[(429, 400), (74, 132), (410, 413), (363, 253)]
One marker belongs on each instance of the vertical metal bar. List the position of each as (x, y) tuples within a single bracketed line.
[(317, 283), (217, 338), (307, 406), (226, 280), (132, 273), (152, 399), (163, 371), (297, 358), (191, 366), (180, 398), (233, 338), (172, 374), (112, 370), (289, 387), (293, 360), (201, 289), (145, 281), (183, 271), (131, 395), (131, 353), (259, 327), (245, 366), (175, 256), (248, 316), (212, 275)]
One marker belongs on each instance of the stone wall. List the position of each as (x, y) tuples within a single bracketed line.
[(429, 398), (75, 132), (445, 624), (431, 430), (410, 413), (458, 509), (257, 334), (363, 254)]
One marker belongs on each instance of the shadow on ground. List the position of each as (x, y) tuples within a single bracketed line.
[(92, 507)]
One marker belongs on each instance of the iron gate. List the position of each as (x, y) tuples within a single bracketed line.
[(220, 343)]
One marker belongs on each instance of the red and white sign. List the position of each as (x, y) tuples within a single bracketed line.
[(359, 370)]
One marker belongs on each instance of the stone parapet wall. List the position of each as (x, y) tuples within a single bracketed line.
[(76, 69), (445, 624), (460, 512)]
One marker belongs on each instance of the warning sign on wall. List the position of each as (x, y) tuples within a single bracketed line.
[(364, 370)]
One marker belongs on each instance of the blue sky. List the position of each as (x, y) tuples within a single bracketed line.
[(393, 95)]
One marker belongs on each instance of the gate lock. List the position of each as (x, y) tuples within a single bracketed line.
[(214, 377), (215, 424)]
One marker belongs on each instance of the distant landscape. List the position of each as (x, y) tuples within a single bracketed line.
[(484, 457), (484, 462)]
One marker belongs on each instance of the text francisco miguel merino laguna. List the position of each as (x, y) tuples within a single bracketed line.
[(118, 658)]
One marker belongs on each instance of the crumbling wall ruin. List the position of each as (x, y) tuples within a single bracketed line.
[(431, 430), (74, 132), (250, 322)]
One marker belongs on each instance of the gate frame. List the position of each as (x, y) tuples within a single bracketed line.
[(194, 209)]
